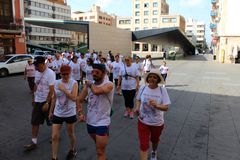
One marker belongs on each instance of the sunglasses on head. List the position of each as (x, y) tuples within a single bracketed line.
[(65, 74)]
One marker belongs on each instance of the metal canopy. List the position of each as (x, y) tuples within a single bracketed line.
[(171, 35), (77, 26)]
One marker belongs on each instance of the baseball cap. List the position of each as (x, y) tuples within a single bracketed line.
[(39, 60), (101, 67)]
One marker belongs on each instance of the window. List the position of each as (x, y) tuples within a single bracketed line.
[(128, 21), (145, 47), (165, 20), (137, 29), (174, 20), (137, 13), (136, 47), (137, 6), (146, 5), (154, 48), (155, 12), (146, 13), (155, 4), (121, 22), (154, 20), (145, 20), (137, 21), (100, 17), (145, 28)]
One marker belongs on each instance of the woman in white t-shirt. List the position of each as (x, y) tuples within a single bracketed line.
[(29, 74), (138, 65), (88, 69), (151, 102), (164, 70), (63, 109), (147, 64), (75, 66), (116, 68), (129, 82)]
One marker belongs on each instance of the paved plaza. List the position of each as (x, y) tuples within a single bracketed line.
[(203, 122)]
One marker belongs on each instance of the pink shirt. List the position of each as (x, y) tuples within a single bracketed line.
[(30, 70)]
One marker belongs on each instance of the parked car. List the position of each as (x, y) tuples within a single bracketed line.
[(43, 53), (13, 63)]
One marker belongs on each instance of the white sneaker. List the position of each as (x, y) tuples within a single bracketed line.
[(153, 156)]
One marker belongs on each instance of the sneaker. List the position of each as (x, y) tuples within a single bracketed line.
[(30, 147), (71, 154), (153, 156), (125, 114), (131, 115)]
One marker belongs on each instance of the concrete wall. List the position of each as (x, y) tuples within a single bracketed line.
[(104, 38)]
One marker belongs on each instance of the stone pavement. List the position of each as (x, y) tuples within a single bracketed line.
[(203, 121)]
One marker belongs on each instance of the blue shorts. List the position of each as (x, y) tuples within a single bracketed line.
[(100, 130)]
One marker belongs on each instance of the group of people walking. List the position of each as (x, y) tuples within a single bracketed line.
[(57, 97)]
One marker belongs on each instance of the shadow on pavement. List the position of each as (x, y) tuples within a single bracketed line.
[(199, 126)]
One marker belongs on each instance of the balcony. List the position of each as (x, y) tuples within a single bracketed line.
[(214, 1), (10, 24), (213, 26), (214, 13)]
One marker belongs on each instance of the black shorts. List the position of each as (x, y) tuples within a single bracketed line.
[(100, 130), (38, 116), (60, 120)]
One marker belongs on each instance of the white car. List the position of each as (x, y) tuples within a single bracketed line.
[(13, 63)]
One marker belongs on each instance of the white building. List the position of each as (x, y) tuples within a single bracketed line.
[(195, 31), (226, 30), (124, 23), (47, 9)]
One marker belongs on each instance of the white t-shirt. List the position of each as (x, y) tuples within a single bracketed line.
[(99, 107), (138, 66), (87, 55), (88, 70), (57, 65), (148, 114), (43, 81), (64, 106), (163, 69), (30, 70), (75, 67), (129, 83), (147, 65), (50, 65), (116, 68)]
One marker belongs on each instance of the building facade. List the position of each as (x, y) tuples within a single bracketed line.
[(225, 30), (146, 14), (94, 15), (195, 31), (124, 23), (153, 14), (47, 9), (12, 36)]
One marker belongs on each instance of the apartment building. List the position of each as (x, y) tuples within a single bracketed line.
[(94, 15), (225, 30), (146, 14), (124, 23), (12, 36), (47, 9), (195, 31)]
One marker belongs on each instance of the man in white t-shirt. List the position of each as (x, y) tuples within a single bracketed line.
[(57, 63), (116, 67), (99, 108), (43, 92)]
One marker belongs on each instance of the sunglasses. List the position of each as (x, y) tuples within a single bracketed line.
[(65, 74)]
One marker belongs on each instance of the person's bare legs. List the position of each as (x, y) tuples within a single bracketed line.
[(55, 139), (101, 143), (72, 136), (35, 130), (143, 155)]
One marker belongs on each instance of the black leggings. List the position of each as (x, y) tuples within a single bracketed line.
[(129, 98), (164, 76)]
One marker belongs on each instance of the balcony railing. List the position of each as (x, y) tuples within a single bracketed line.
[(214, 1), (213, 25), (214, 13), (10, 24)]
